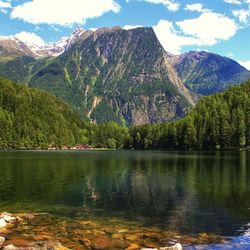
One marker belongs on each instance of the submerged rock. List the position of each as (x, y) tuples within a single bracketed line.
[(102, 242), (86, 242), (117, 236), (133, 246), (20, 242), (132, 238), (44, 231)]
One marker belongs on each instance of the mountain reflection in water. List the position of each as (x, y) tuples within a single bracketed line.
[(189, 191)]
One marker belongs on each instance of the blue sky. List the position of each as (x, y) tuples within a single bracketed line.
[(219, 26)]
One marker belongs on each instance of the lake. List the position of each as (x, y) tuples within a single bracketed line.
[(184, 192)]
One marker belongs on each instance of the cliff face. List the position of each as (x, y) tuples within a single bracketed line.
[(115, 74)]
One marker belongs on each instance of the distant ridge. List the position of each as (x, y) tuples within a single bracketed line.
[(207, 73)]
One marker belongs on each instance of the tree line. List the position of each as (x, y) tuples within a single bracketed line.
[(32, 119), (218, 122)]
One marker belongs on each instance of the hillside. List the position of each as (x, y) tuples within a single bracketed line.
[(207, 73), (119, 75), (220, 121), (125, 76), (31, 119), (110, 75)]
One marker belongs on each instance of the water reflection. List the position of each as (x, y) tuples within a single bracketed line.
[(193, 192)]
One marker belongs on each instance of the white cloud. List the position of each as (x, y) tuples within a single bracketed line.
[(196, 7), (245, 64), (130, 27), (30, 38), (170, 39), (171, 5), (209, 28), (233, 1), (206, 30), (63, 12), (242, 15), (5, 5)]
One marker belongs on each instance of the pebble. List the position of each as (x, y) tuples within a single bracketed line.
[(9, 218), (60, 247), (177, 246), (2, 240), (78, 234), (10, 247), (3, 223), (133, 246), (102, 242)]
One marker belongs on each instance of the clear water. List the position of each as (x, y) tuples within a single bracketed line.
[(191, 192)]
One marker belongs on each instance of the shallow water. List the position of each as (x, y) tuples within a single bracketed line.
[(188, 192)]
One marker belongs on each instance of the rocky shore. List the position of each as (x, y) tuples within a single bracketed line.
[(44, 231)]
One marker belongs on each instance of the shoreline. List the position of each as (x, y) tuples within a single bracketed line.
[(132, 150)]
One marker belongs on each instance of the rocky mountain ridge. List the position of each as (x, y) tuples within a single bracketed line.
[(115, 74), (120, 75), (18, 46), (207, 73), (12, 46)]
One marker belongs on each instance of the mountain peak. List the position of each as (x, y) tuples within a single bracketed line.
[(206, 73), (11, 46), (78, 30)]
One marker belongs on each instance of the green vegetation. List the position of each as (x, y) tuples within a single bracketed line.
[(221, 121), (32, 119), (206, 73), (126, 69)]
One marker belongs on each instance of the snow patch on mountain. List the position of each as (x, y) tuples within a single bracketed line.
[(42, 49)]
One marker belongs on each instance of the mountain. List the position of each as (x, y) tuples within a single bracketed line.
[(31, 118), (19, 45), (218, 122), (19, 60), (207, 73), (12, 47), (56, 49), (116, 74), (113, 74)]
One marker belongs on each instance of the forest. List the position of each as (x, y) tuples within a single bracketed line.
[(33, 119), (218, 122)]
